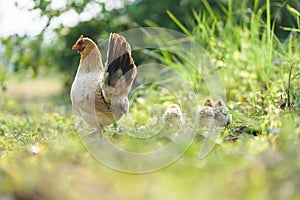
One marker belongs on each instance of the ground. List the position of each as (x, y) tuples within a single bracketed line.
[(42, 157)]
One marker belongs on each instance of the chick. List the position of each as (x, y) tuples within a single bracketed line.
[(172, 116), (205, 115), (222, 117)]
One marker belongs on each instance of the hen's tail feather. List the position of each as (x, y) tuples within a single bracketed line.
[(119, 61)]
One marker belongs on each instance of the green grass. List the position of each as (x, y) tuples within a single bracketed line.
[(42, 157)]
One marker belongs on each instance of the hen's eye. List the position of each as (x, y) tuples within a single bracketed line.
[(80, 42)]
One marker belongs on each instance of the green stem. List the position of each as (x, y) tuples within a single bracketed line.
[(269, 37)]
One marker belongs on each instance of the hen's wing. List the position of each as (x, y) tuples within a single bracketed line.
[(120, 69)]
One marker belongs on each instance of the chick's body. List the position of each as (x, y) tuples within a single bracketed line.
[(205, 115), (173, 116), (222, 116)]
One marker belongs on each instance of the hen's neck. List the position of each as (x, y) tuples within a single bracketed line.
[(90, 60)]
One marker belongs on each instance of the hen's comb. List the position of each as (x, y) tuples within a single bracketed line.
[(81, 37)]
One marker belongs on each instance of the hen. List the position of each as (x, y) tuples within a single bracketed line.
[(99, 93)]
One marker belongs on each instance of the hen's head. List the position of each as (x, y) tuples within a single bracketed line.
[(82, 43)]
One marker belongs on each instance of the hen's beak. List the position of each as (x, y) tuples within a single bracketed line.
[(74, 47)]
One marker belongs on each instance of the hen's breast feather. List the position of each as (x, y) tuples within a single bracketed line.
[(84, 86)]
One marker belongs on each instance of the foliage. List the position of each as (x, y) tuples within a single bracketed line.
[(48, 53), (244, 54)]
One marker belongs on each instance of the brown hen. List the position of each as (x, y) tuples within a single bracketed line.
[(99, 94)]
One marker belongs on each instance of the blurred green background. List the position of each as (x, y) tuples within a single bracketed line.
[(50, 49), (254, 44)]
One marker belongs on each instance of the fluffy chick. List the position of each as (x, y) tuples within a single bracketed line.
[(173, 116), (205, 115), (221, 116)]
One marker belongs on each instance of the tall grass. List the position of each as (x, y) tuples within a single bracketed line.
[(253, 63)]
